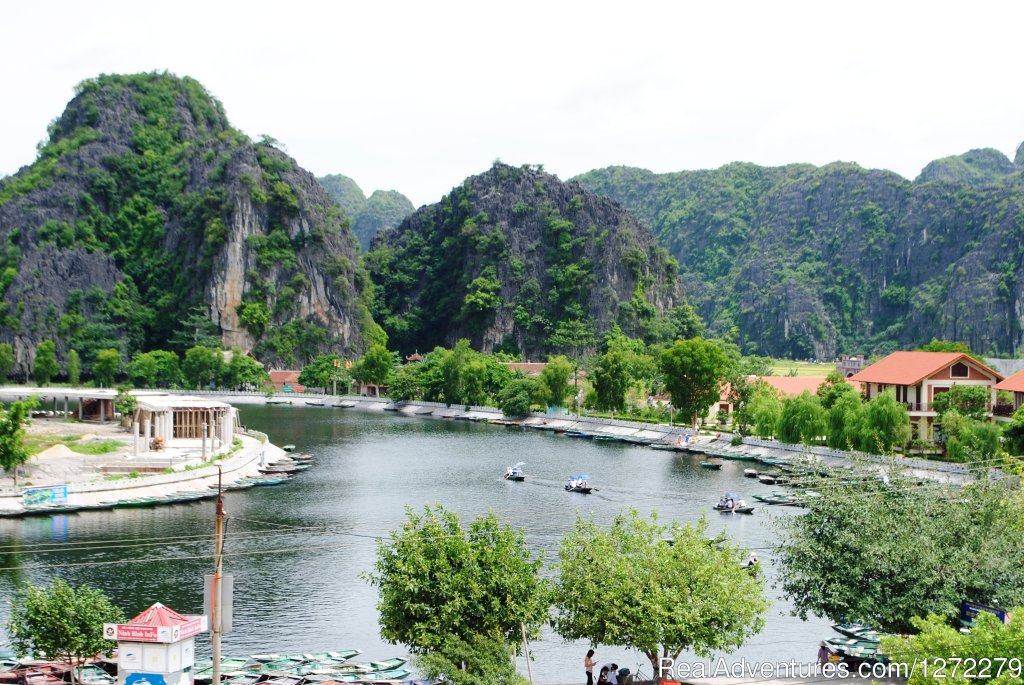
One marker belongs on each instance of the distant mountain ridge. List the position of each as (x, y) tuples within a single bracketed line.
[(147, 214), (809, 261), (382, 210), (516, 260)]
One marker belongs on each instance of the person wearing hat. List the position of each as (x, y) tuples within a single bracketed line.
[(823, 654)]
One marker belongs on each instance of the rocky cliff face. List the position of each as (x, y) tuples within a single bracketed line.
[(515, 259), (809, 262), (369, 215), (145, 206)]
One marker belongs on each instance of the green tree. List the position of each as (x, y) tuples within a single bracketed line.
[(516, 398), (438, 581), (254, 316), (106, 367), (322, 372), (611, 380), (832, 388), (404, 383), (6, 361), (694, 370), (988, 641), (201, 366), (885, 425), (74, 366), (374, 366), (554, 381), (13, 419), (45, 366), (628, 585), (572, 337), (62, 622), (1013, 433), (971, 401), (844, 421), (486, 660), (967, 440), (945, 346), (765, 411), (915, 550), (243, 372), (803, 419)]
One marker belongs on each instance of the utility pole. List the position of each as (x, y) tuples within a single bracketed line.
[(218, 562)]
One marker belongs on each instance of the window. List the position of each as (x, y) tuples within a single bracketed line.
[(959, 370)]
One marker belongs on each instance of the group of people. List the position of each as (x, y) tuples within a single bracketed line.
[(609, 674)]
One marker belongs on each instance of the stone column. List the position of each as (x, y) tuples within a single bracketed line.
[(145, 432), (65, 407), (135, 436), (103, 411)]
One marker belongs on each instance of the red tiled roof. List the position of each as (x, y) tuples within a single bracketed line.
[(526, 368), (160, 616), (794, 385), (910, 368), (289, 377), (1014, 383)]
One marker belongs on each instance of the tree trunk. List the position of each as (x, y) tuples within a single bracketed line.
[(655, 674), (16, 476)]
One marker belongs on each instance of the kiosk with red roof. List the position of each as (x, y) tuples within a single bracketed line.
[(157, 647)]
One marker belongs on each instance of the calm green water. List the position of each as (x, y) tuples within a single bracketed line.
[(302, 591)]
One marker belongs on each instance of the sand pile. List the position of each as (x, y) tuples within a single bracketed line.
[(56, 452)]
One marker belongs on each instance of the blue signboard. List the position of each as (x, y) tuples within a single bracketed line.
[(970, 610), (145, 679), (41, 497)]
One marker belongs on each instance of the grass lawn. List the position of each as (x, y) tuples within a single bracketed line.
[(784, 367), (37, 444)]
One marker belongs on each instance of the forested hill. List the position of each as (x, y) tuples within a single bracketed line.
[(517, 260), (369, 215), (147, 220), (813, 261)]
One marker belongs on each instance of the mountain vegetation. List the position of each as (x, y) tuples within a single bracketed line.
[(802, 261), (518, 261), (369, 215), (147, 220)]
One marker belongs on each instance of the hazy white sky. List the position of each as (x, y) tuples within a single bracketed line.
[(416, 96)]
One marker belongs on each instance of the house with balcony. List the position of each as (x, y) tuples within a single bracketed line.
[(919, 377), (1015, 386)]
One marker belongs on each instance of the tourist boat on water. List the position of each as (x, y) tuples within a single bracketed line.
[(579, 483), (712, 465), (750, 473), (852, 629), (729, 503), (577, 434), (288, 448), (515, 472)]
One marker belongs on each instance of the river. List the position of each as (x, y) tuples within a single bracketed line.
[(302, 590)]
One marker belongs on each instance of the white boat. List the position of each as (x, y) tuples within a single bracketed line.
[(580, 484), (515, 472)]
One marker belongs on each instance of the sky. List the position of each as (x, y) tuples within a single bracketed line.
[(416, 96)]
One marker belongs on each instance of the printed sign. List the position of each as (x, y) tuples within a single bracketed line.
[(41, 497), (970, 610), (127, 632)]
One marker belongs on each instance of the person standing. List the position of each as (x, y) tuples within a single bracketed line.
[(588, 666)]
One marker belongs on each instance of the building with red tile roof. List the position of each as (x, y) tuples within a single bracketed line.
[(286, 381), (1014, 385), (528, 369), (918, 377), (786, 386)]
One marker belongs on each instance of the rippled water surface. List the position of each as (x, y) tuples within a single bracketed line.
[(302, 590)]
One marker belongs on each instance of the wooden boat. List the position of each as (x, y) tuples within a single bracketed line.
[(314, 403), (580, 484), (577, 434), (606, 438), (713, 465), (279, 469), (278, 401), (344, 405), (666, 447), (750, 473), (267, 481), (851, 629), (138, 503), (288, 448), (515, 472), (729, 504)]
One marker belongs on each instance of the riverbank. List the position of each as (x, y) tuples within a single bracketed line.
[(104, 480)]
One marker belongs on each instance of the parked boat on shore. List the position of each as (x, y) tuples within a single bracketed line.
[(712, 465)]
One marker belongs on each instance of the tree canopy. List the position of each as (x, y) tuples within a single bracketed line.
[(61, 621), (660, 589), (440, 581), (13, 419), (694, 370), (883, 552), (45, 367)]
